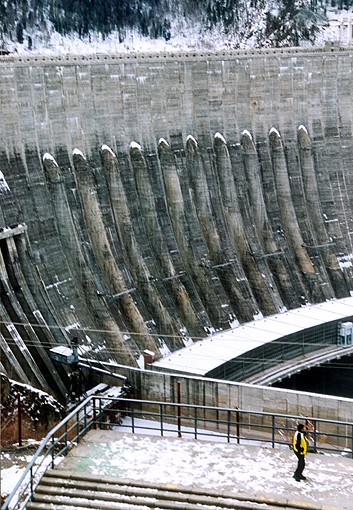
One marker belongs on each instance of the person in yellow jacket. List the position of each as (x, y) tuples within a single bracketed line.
[(300, 447)]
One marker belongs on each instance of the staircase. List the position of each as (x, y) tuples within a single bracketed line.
[(63, 490)]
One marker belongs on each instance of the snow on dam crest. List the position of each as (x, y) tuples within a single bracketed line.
[(215, 190)]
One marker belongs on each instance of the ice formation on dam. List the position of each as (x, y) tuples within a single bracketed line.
[(135, 145), (247, 133), (107, 148), (274, 131), (49, 157), (191, 139), (219, 136), (163, 141)]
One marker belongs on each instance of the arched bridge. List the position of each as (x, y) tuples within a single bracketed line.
[(268, 350)]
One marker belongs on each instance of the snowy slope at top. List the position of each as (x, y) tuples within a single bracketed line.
[(186, 35)]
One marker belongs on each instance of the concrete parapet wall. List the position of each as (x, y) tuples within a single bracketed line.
[(214, 393)]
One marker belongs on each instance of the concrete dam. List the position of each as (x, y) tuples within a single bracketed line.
[(148, 201)]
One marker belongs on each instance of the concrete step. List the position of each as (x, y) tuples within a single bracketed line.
[(60, 490)]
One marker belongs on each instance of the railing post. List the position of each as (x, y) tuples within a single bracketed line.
[(31, 480), (229, 417), (179, 415), (315, 436), (94, 413), (85, 418), (78, 426), (237, 414), (132, 420), (161, 417), (195, 422), (100, 414), (53, 451), (19, 412), (273, 430)]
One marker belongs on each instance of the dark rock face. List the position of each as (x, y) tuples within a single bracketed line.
[(149, 201)]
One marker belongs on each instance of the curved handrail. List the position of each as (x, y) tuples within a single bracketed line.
[(48, 445)]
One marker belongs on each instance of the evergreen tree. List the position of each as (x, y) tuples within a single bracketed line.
[(296, 21)]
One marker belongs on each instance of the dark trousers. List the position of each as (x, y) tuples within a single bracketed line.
[(301, 465)]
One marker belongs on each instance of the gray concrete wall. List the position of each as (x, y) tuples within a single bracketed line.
[(234, 199), (163, 387)]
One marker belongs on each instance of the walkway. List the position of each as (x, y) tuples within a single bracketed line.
[(254, 471)]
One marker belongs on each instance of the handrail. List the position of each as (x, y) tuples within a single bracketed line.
[(32, 470), (230, 424), (323, 429)]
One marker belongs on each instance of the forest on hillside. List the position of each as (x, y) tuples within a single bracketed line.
[(285, 22)]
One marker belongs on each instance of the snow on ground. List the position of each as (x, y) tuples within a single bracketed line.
[(246, 468), (13, 465), (252, 469)]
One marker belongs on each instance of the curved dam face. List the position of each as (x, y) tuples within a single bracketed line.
[(149, 201)]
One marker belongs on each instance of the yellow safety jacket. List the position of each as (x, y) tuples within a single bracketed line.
[(300, 444)]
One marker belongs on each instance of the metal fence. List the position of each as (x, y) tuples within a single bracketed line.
[(54, 446), (230, 425)]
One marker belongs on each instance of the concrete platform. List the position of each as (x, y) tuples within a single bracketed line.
[(254, 471)]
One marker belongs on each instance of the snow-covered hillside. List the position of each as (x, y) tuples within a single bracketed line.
[(190, 32)]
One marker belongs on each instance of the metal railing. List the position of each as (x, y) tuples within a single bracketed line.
[(231, 425), (54, 446)]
